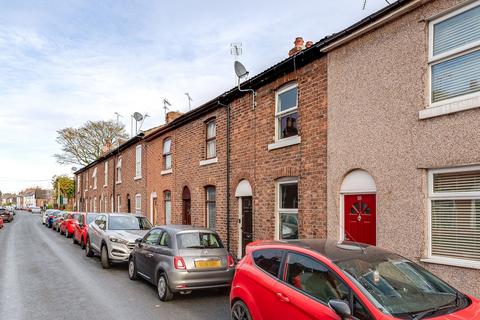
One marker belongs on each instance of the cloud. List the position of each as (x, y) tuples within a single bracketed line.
[(65, 62)]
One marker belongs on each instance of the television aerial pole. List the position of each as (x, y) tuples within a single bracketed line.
[(189, 101)]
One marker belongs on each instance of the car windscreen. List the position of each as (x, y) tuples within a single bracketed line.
[(91, 217), (198, 240), (128, 223), (399, 287)]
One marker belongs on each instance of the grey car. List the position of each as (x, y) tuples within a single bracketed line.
[(180, 258), (113, 236)]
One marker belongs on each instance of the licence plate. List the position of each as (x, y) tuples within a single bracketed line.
[(204, 264)]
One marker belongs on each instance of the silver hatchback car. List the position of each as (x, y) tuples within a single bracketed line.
[(180, 258)]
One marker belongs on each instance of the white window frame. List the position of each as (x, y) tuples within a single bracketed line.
[(105, 174), (278, 115), (278, 210), (95, 204), (78, 183), (448, 55), (164, 156), (447, 196), (207, 211), (86, 181), (94, 178), (138, 203), (119, 203), (119, 172), (209, 139), (138, 162)]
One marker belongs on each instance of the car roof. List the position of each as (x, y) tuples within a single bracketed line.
[(333, 250), (182, 227)]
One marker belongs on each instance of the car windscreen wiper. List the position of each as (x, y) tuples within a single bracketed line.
[(428, 312)]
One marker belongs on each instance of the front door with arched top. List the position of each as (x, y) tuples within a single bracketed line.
[(360, 211)]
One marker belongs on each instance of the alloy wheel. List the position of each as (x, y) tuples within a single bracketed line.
[(240, 311), (162, 287)]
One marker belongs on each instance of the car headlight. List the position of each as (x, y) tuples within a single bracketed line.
[(118, 240)]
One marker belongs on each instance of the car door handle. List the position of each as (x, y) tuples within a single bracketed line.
[(282, 297)]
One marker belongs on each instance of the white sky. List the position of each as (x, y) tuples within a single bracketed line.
[(65, 62)]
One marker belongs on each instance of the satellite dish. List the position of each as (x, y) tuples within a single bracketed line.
[(138, 116), (240, 70), (74, 169)]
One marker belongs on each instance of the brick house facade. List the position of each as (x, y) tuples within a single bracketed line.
[(122, 189)]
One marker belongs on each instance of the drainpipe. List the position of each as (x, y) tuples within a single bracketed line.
[(227, 106)]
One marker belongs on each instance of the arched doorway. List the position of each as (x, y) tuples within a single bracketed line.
[(129, 204), (186, 206), (358, 207), (245, 215)]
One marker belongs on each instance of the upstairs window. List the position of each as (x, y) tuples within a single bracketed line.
[(119, 170), (454, 55), (211, 139), (86, 181), (138, 162), (94, 178), (454, 196), (106, 174), (167, 154), (78, 184), (286, 112)]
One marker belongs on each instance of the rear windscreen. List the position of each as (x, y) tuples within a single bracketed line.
[(199, 240)]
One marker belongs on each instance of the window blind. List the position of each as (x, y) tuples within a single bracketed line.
[(456, 77), (456, 229), (468, 181), (455, 225), (457, 31)]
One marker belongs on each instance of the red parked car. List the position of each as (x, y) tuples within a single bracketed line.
[(1, 223), (67, 226), (324, 279), (81, 228)]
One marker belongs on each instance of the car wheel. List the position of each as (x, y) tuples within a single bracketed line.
[(104, 258), (164, 292), (88, 249), (240, 311), (132, 270)]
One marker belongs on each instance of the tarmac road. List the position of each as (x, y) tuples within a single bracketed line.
[(45, 276)]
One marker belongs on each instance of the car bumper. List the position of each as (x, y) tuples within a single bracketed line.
[(7, 218), (119, 252), (185, 280)]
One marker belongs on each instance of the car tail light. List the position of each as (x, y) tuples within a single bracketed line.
[(231, 262), (179, 263)]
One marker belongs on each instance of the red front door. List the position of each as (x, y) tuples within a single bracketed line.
[(360, 218)]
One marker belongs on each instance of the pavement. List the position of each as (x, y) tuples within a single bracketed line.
[(45, 276)]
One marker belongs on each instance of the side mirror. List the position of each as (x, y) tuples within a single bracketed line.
[(138, 241), (341, 308)]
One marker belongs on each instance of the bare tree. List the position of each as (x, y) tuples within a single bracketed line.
[(84, 145)]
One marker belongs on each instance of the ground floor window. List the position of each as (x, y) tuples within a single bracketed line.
[(211, 207), (168, 207), (454, 201), (287, 208), (138, 203), (119, 203)]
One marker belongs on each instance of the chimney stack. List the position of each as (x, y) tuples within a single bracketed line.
[(299, 45), (172, 115)]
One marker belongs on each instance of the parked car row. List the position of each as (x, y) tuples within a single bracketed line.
[(298, 279), (5, 216)]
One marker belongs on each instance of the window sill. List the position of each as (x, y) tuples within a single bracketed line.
[(208, 161), (165, 172), (137, 178), (452, 262), (118, 182), (105, 185), (290, 141), (450, 107)]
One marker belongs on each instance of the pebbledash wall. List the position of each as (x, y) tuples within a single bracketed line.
[(381, 121)]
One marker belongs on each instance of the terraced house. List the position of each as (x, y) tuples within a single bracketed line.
[(403, 139), (397, 164)]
